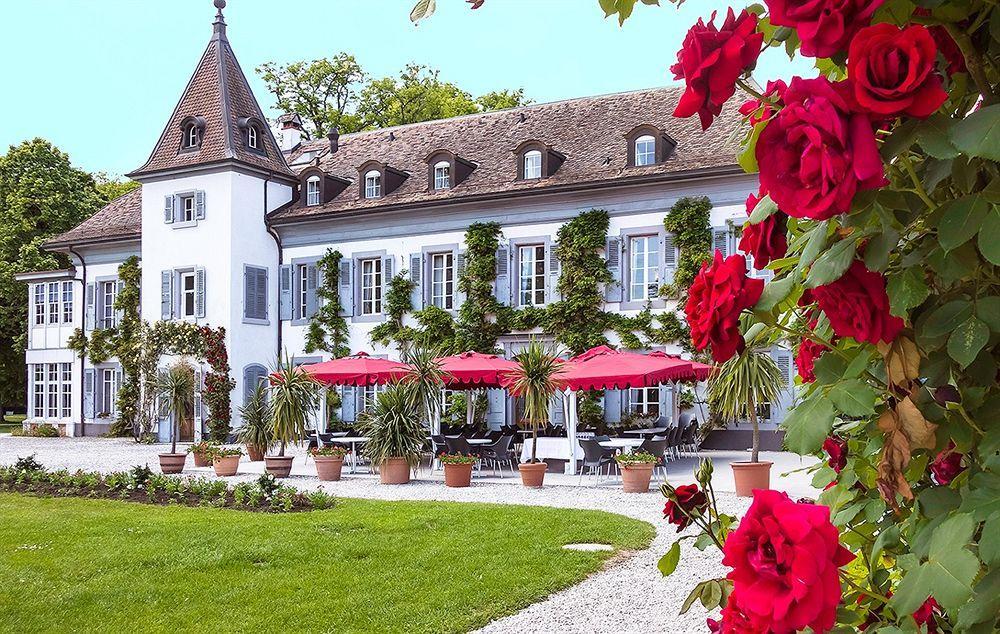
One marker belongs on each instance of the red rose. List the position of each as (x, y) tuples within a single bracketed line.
[(766, 240), (689, 498), (945, 44), (892, 71), (735, 621), (720, 291), (947, 465), (925, 615), (785, 559), (711, 60), (815, 154), (823, 26), (758, 110), (858, 306), (836, 448), (805, 359)]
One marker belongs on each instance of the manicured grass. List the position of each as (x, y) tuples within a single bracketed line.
[(361, 566), (10, 422)]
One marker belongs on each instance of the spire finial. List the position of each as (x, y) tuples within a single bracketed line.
[(219, 26)]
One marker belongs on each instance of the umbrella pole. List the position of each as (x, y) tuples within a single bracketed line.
[(570, 397), (470, 407)]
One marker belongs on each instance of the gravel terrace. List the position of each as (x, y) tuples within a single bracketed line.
[(628, 596)]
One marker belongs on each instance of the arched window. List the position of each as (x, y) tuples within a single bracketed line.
[(532, 164), (373, 184), (312, 191), (442, 175), (252, 137), (191, 136), (645, 150)]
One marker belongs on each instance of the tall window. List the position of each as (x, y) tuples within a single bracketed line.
[(368, 395), (54, 313), (645, 401), (188, 294), (109, 291), (66, 390), (532, 274), (532, 164), (644, 269), (312, 191), (52, 372), (443, 280), (67, 302), (109, 390), (442, 175), (191, 136), (373, 184), (303, 296), (187, 209), (371, 286), (39, 304), (252, 137), (645, 150), (38, 390)]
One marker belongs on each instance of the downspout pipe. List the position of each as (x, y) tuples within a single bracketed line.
[(83, 306)]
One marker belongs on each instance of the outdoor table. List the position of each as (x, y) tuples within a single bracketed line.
[(648, 431), (554, 447), (622, 443), (353, 441), (478, 441)]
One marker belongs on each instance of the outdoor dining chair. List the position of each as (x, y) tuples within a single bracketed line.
[(438, 447), (595, 457), (657, 446), (689, 440), (497, 454)]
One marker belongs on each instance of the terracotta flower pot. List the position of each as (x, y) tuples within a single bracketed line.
[(328, 467), (394, 471), (278, 466), (750, 476), (172, 462), (532, 474), (255, 453), (458, 475), (635, 477), (200, 459), (226, 465)]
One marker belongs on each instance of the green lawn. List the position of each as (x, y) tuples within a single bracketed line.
[(361, 566), (10, 422)]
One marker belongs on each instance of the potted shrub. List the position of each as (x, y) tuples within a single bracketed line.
[(294, 396), (176, 388), (201, 452), (735, 390), (537, 381), (329, 461), (395, 435), (637, 469), (457, 469), (256, 432), (225, 460)]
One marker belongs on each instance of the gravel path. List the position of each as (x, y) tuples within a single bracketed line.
[(628, 596)]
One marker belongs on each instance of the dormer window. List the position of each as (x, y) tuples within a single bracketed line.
[(532, 165), (312, 191), (191, 136), (536, 160), (442, 175), (373, 184), (645, 150), (648, 145), (252, 130), (252, 138), (192, 133)]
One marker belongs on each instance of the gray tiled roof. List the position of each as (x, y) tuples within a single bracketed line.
[(120, 219)]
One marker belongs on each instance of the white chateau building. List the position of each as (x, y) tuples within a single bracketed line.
[(230, 221)]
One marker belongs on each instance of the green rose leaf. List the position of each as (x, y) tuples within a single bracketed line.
[(967, 340), (906, 290), (979, 133), (989, 549), (764, 208), (808, 424), (985, 604), (668, 562), (989, 236), (961, 219), (774, 293), (854, 398), (988, 309), (814, 245), (747, 158), (946, 318), (948, 573), (932, 135), (830, 266)]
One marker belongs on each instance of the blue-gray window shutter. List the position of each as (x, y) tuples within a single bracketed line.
[(199, 205), (166, 295), (348, 413), (199, 412), (168, 209), (285, 292), (91, 310), (387, 273), (496, 410), (459, 272), (262, 291), (311, 299), (99, 392), (249, 292), (416, 275), (199, 292), (502, 283), (253, 375), (720, 240), (669, 261), (88, 393), (783, 359), (613, 255), (556, 414), (552, 285), (612, 406), (345, 288)]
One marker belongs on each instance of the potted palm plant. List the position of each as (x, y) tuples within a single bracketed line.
[(256, 432), (176, 388), (426, 380), (395, 435), (637, 470), (329, 462), (735, 390), (536, 380), (294, 395), (226, 460)]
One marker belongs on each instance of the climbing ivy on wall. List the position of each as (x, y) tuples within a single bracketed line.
[(397, 305), (475, 329), (688, 220), (127, 341), (328, 328)]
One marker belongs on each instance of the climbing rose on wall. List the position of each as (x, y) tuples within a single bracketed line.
[(711, 60), (857, 306), (766, 240), (823, 26), (720, 292)]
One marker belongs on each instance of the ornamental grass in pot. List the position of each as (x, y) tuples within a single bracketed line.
[(735, 389), (176, 388), (201, 452), (329, 461), (536, 380), (457, 469), (294, 396), (226, 460), (395, 435), (257, 430), (637, 470)]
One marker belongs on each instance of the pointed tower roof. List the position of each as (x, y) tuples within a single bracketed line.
[(219, 101)]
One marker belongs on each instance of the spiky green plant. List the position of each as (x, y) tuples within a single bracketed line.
[(176, 388), (392, 426), (257, 429), (426, 380), (742, 383), (294, 396), (536, 380)]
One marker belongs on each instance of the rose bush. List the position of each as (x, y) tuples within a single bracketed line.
[(719, 293)]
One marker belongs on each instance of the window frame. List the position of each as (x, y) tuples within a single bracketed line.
[(183, 294), (650, 152), (107, 318), (108, 377), (192, 136), (373, 184), (38, 390), (54, 312), (66, 390), (301, 289), (534, 276), (314, 193), (253, 137), (646, 267), (448, 279), (40, 303), (442, 175), (67, 302), (645, 403), (367, 307), (532, 153)]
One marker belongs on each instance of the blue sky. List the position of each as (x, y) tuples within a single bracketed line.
[(100, 77)]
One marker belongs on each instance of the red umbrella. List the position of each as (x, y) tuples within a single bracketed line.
[(606, 368), (472, 370), (359, 369)]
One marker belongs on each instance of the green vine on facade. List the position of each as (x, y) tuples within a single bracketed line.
[(127, 342), (328, 328), (397, 305), (479, 323), (688, 221)]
